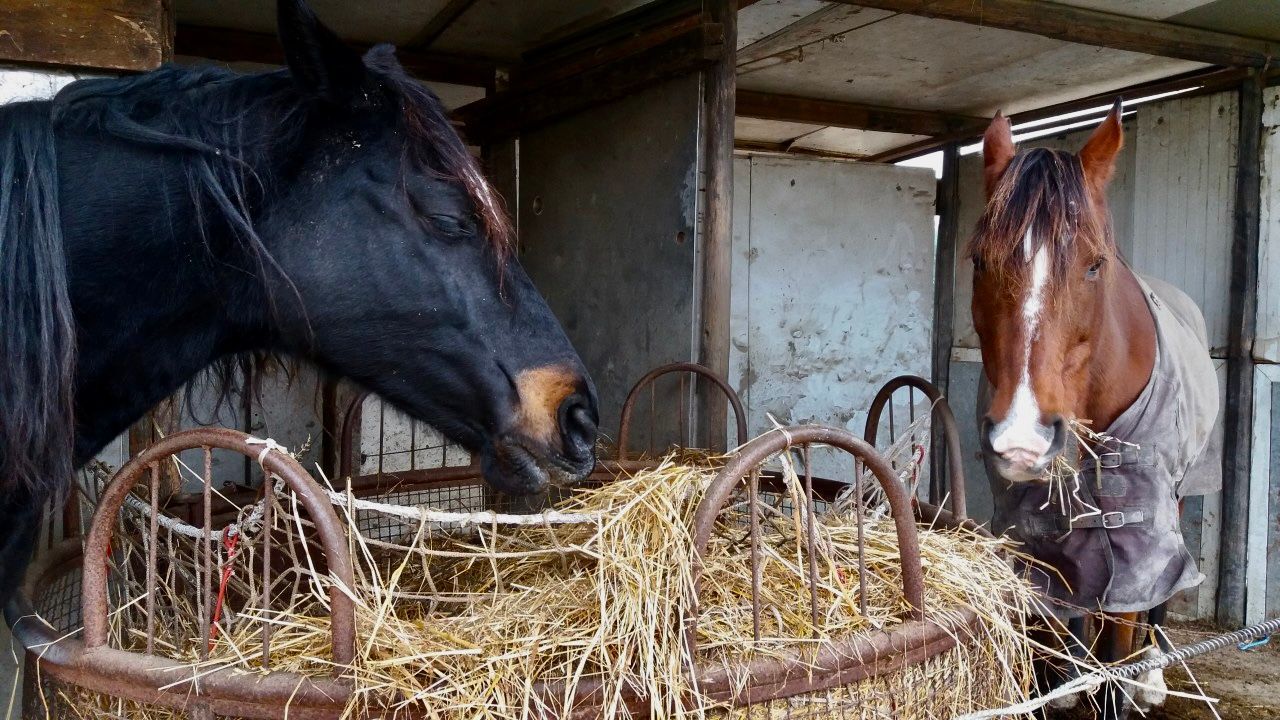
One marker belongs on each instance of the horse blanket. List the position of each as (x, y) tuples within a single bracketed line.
[(1112, 540)]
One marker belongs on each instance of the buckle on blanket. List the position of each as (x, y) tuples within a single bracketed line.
[(1110, 460), (1113, 520)]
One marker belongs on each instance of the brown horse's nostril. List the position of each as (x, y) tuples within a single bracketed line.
[(1059, 441), (984, 435), (578, 427)]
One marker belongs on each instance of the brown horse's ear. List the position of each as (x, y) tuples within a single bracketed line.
[(1098, 158), (997, 150)]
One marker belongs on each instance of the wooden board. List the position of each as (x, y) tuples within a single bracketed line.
[(98, 34)]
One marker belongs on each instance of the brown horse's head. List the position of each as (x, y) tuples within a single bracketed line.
[(1043, 261)]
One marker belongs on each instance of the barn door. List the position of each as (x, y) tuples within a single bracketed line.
[(832, 287)]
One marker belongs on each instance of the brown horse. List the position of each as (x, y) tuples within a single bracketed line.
[(1069, 334)]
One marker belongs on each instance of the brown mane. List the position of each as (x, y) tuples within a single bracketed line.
[(1045, 191)]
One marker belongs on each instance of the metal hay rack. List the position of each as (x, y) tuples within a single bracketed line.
[(72, 586)]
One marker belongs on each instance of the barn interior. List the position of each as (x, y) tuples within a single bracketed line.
[(782, 190)]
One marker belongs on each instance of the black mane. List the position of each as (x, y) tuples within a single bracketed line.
[(225, 127)]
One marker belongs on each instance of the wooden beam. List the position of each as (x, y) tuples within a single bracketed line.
[(226, 45), (442, 21), (1237, 450), (1092, 27), (790, 108), (128, 35), (720, 87), (577, 86), (1212, 80), (944, 273)]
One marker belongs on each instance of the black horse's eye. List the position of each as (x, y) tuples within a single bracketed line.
[(1092, 273), (978, 264), (452, 226)]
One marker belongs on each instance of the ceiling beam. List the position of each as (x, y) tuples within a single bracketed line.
[(1206, 81), (226, 45), (573, 85), (1092, 27), (441, 22), (128, 35), (832, 113)]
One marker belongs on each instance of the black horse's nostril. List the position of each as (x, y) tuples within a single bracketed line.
[(578, 427)]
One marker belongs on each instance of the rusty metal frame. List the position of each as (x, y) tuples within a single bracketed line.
[(91, 665), (945, 420), (628, 405)]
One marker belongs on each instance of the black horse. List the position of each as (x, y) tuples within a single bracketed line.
[(156, 226)]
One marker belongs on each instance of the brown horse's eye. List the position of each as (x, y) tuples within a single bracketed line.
[(979, 265), (1092, 273)]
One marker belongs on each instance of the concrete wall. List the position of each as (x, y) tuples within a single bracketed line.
[(1171, 201), (608, 221), (832, 287)]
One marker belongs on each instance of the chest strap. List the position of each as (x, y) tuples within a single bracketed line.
[(1058, 524), (1145, 455)]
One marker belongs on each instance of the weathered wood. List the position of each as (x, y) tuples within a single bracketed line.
[(442, 21), (1092, 27), (130, 35), (1205, 82), (1238, 411), (241, 46), (944, 286), (717, 237), (828, 113), (525, 106)]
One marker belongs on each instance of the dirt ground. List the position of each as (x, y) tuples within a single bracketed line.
[(1246, 684)]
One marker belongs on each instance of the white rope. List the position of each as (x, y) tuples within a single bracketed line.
[(253, 519), (1084, 683)]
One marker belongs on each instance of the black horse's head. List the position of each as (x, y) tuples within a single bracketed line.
[(394, 268)]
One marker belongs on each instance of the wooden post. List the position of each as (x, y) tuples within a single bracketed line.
[(717, 238), (1238, 410), (944, 285)]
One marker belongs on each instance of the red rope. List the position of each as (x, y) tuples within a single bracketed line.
[(229, 542)]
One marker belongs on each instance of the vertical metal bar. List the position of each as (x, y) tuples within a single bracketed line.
[(753, 500), (812, 522), (269, 500), (862, 545), (944, 264), (680, 419), (153, 537), (382, 430), (413, 444), (206, 595), (653, 414)]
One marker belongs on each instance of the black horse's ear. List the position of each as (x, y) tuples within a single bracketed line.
[(320, 62)]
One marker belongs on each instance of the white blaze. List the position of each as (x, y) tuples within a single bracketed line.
[(1016, 436)]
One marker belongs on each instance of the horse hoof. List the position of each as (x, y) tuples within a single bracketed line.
[(1154, 691)]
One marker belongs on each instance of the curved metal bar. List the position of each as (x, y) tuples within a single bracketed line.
[(950, 433), (330, 531), (628, 405), (756, 453), (350, 418)]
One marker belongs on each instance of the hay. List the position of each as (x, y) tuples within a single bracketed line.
[(463, 624)]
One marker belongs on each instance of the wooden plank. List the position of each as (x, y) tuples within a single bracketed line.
[(1236, 455), (440, 23), (130, 35), (521, 107), (1092, 27), (859, 116), (226, 45), (944, 286), (1255, 596), (1207, 82), (720, 86)]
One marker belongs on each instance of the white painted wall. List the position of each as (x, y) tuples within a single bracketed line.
[(832, 287)]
